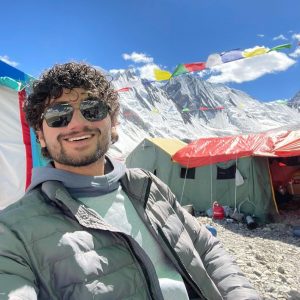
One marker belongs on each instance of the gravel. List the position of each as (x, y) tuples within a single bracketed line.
[(269, 255)]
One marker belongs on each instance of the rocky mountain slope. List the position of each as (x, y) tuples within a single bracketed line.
[(295, 101), (187, 108)]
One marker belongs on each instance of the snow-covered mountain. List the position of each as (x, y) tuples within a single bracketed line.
[(188, 108), (295, 101)]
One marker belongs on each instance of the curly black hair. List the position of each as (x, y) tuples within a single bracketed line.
[(69, 75)]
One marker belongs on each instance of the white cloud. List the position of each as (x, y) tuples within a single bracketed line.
[(296, 36), (251, 68), (147, 71), (296, 53), (260, 35), (138, 57), (115, 71), (280, 37), (204, 73), (6, 59)]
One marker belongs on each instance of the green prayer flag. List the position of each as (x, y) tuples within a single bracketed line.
[(279, 47)]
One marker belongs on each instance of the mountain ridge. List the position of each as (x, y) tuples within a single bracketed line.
[(187, 107)]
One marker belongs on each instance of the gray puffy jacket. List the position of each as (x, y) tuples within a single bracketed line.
[(54, 247)]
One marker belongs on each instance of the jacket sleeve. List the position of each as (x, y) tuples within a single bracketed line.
[(17, 280), (220, 266)]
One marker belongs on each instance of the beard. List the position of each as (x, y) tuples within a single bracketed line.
[(61, 156)]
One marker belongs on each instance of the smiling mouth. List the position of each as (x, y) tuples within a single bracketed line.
[(79, 138)]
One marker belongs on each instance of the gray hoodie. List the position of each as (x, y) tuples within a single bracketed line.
[(81, 185)]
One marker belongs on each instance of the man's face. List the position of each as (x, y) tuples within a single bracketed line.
[(80, 143)]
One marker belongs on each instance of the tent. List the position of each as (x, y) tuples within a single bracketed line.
[(18, 148), (242, 172), (265, 162), (201, 186), (155, 155)]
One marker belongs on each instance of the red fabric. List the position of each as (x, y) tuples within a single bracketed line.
[(26, 138), (203, 108), (198, 66), (206, 151), (125, 89), (281, 175), (290, 146)]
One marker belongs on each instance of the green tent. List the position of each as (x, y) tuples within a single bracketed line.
[(154, 154), (250, 193)]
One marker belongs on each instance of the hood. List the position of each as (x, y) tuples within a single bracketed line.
[(80, 185)]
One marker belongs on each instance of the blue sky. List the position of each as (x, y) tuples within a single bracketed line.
[(146, 34)]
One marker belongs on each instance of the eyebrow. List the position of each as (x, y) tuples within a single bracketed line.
[(70, 101)]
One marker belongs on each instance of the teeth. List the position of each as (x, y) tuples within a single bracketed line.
[(78, 138)]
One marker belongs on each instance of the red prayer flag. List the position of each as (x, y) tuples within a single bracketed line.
[(125, 89), (197, 66)]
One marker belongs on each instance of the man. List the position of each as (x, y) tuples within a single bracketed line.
[(88, 228)]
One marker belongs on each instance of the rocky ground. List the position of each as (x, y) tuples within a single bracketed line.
[(269, 255)]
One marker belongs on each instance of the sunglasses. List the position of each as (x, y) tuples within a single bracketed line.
[(60, 114)]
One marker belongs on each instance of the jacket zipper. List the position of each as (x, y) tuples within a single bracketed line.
[(187, 275), (140, 264)]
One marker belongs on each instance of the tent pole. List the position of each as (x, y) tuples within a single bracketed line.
[(235, 184), (184, 181), (211, 195), (272, 188)]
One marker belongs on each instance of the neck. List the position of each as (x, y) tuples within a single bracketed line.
[(97, 168)]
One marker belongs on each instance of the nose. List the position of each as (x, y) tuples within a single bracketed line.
[(78, 120)]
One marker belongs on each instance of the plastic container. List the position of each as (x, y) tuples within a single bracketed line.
[(218, 211), (251, 224)]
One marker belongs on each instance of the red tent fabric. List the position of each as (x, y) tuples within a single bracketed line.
[(206, 151), (290, 146)]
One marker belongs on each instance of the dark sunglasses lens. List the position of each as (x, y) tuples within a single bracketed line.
[(93, 109), (58, 115)]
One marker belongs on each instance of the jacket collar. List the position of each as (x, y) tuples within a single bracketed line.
[(87, 217)]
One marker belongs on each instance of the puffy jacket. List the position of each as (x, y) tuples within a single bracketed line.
[(54, 247)]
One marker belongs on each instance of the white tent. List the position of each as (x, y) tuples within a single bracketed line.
[(15, 140)]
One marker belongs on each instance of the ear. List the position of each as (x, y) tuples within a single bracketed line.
[(114, 122), (41, 138), (114, 133)]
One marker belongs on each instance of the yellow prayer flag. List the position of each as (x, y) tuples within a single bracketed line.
[(155, 110), (255, 51), (162, 75)]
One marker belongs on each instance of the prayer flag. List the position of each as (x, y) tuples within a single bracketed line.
[(279, 47), (255, 51), (231, 55), (186, 68), (162, 75), (213, 60), (125, 89)]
